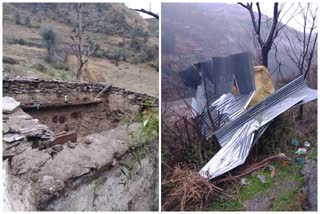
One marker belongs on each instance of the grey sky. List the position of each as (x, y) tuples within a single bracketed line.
[(289, 9)]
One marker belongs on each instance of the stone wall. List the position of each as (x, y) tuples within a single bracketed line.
[(117, 104), (28, 89)]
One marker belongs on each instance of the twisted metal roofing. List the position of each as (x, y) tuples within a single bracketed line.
[(239, 135), (224, 114)]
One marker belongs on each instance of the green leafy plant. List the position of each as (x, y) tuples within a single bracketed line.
[(141, 141)]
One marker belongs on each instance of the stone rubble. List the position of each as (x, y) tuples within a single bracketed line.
[(9, 104), (43, 176), (21, 127)]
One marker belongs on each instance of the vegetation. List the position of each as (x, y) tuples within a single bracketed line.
[(25, 46), (143, 138), (82, 51), (183, 150), (119, 54), (48, 36), (138, 37), (17, 18), (28, 21), (148, 54)]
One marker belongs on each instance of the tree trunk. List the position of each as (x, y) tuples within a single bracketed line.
[(264, 54), (79, 73), (300, 117)]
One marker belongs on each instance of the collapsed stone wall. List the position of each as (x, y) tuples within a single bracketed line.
[(115, 104), (87, 174)]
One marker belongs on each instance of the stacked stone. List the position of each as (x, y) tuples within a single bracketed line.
[(13, 86)]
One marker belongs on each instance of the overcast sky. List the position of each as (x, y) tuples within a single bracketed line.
[(288, 9), (265, 6)]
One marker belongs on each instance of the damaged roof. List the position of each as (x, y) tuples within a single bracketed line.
[(225, 115)]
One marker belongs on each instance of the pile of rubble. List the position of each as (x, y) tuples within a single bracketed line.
[(19, 128), (46, 171)]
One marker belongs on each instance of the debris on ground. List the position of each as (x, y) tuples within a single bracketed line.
[(244, 181), (300, 160), (189, 190), (9, 104), (60, 172), (254, 167), (295, 142), (228, 118), (20, 127), (301, 151), (262, 178), (306, 144)]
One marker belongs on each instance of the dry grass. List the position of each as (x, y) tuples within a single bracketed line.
[(137, 77), (186, 190)]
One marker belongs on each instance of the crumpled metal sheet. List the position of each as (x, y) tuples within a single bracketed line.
[(224, 109), (211, 79), (239, 135), (224, 114)]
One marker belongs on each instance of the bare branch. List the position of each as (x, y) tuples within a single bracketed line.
[(147, 12)]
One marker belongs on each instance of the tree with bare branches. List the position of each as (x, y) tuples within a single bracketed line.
[(80, 42), (276, 27), (265, 44), (301, 46)]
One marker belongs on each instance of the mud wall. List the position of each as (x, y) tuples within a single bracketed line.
[(117, 104)]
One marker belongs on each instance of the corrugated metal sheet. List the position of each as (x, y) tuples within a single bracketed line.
[(291, 90), (238, 136), (211, 79), (224, 115), (224, 109)]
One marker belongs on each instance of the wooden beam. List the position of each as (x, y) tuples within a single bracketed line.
[(63, 137), (37, 106)]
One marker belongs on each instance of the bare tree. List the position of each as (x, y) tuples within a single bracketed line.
[(265, 44), (301, 46), (80, 41), (276, 27)]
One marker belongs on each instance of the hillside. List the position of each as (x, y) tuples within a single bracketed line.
[(196, 32), (127, 47)]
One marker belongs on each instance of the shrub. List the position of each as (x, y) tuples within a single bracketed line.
[(27, 21), (48, 37), (93, 45), (39, 67), (119, 54), (148, 53), (20, 41), (137, 34), (18, 18), (61, 66)]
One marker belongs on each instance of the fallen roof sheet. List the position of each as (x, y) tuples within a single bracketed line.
[(224, 114), (238, 136), (223, 110), (211, 79)]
